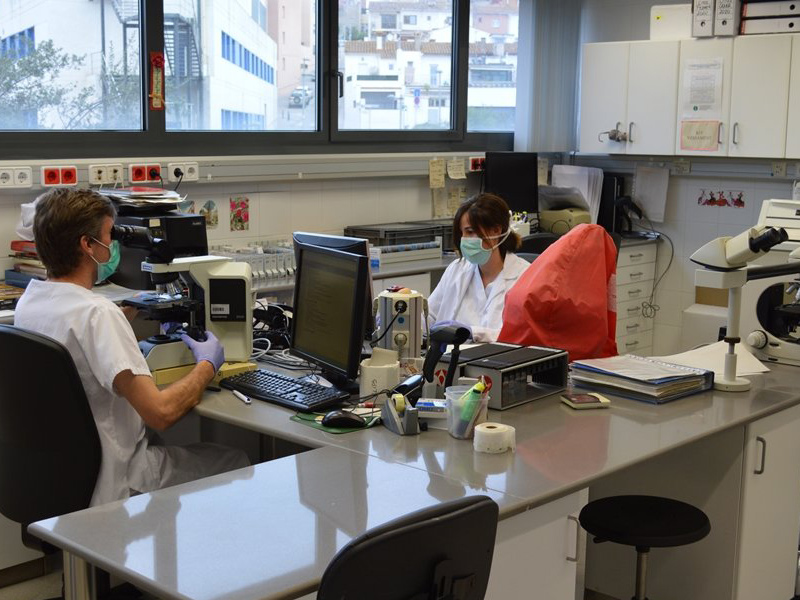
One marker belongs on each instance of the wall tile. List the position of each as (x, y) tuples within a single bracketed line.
[(666, 339), (274, 218)]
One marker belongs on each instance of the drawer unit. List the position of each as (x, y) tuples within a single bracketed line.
[(638, 343), (639, 324), (638, 254), (636, 274), (636, 270)]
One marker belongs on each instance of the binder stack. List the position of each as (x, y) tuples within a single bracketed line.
[(703, 18), (770, 17)]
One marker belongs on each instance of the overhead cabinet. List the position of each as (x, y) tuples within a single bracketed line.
[(793, 127), (628, 97)]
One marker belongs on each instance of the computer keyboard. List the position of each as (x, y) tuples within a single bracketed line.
[(304, 396)]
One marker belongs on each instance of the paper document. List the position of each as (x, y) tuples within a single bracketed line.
[(702, 83), (455, 169), (650, 191), (712, 357), (436, 173), (588, 180), (700, 135)]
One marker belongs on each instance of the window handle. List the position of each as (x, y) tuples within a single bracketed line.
[(340, 79)]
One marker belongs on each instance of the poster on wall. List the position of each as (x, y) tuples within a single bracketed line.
[(702, 88), (240, 213), (717, 197), (211, 214), (700, 136)]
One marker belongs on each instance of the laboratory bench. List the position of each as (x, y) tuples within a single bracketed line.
[(269, 531)]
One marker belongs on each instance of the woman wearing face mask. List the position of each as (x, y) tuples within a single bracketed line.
[(472, 290)]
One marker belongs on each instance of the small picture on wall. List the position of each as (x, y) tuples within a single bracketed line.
[(210, 212), (240, 213), (731, 198), (187, 207)]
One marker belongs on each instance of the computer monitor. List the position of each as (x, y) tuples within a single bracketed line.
[(514, 177), (330, 300)]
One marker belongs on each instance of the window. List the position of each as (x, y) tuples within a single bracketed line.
[(493, 43), (379, 98), (236, 67), (84, 76)]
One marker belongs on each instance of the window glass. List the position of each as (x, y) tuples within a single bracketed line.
[(493, 40), (240, 65), (396, 58), (69, 65)]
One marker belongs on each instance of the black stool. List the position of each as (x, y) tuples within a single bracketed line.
[(645, 522)]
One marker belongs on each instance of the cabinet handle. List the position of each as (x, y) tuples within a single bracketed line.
[(577, 537), (760, 469), (736, 133), (719, 134), (630, 132)]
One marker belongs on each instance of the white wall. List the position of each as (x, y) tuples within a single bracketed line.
[(618, 20)]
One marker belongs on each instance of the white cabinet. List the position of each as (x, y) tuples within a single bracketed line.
[(760, 95), (793, 126), (767, 548), (543, 544), (698, 69), (630, 87)]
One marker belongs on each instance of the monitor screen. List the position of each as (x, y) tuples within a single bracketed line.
[(329, 304), (514, 177)]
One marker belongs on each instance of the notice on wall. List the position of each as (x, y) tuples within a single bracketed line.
[(436, 170), (455, 168), (455, 196), (702, 136), (702, 88)]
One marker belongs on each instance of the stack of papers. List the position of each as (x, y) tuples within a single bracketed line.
[(139, 196), (588, 180), (640, 378)]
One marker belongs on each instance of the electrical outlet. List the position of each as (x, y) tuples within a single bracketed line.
[(778, 168), (137, 173), (476, 164), (69, 176), (681, 166), (51, 176), (23, 177), (107, 173), (115, 173), (176, 171), (153, 173), (191, 172), (6, 177)]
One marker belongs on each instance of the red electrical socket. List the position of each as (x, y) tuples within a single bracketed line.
[(51, 176), (154, 172), (476, 163), (69, 176), (137, 173)]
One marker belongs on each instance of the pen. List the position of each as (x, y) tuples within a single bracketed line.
[(241, 396)]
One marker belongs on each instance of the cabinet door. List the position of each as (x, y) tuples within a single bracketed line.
[(700, 54), (759, 95), (793, 128), (770, 510), (652, 97), (604, 81)]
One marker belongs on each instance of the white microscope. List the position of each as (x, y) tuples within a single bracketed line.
[(724, 261), (219, 300)]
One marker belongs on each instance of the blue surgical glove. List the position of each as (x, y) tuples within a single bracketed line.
[(210, 350), (453, 323)]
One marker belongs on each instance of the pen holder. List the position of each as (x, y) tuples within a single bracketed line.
[(462, 416)]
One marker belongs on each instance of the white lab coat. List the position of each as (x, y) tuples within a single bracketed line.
[(460, 296), (102, 344)]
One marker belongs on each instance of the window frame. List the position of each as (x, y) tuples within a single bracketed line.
[(154, 140)]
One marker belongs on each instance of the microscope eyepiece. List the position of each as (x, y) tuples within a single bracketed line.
[(771, 237)]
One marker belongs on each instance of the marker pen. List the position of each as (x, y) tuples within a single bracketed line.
[(241, 396)]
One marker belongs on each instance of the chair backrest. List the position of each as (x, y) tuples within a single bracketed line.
[(49, 447), (444, 551), (529, 256)]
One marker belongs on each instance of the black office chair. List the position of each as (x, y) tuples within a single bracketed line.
[(536, 243), (439, 553), (644, 522), (49, 447), (529, 256)]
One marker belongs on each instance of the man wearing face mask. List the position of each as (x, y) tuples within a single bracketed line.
[(72, 231), (472, 290)]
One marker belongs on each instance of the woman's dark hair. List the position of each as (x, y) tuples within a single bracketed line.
[(486, 211), (63, 217)]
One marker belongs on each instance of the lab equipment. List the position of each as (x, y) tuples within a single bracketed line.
[(400, 315), (514, 177), (330, 304), (563, 220), (283, 390), (724, 261)]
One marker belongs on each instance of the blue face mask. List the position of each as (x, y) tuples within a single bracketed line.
[(472, 248), (108, 268)]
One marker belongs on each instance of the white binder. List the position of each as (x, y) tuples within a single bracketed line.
[(703, 18), (783, 8), (777, 25), (726, 17)]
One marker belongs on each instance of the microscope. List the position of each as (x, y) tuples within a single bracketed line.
[(724, 261), (204, 292)]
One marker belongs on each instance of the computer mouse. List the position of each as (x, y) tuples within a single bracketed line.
[(344, 419)]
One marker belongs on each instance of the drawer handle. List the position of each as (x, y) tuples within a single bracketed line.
[(636, 275), (763, 442), (631, 344), (639, 255), (577, 537), (631, 327), (634, 310), (634, 293)]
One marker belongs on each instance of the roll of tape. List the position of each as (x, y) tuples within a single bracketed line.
[(494, 438), (399, 402)]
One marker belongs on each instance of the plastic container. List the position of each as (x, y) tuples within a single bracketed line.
[(463, 414)]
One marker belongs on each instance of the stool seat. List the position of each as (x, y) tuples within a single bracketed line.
[(644, 521)]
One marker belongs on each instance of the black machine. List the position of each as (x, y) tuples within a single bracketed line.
[(514, 177), (184, 234)]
